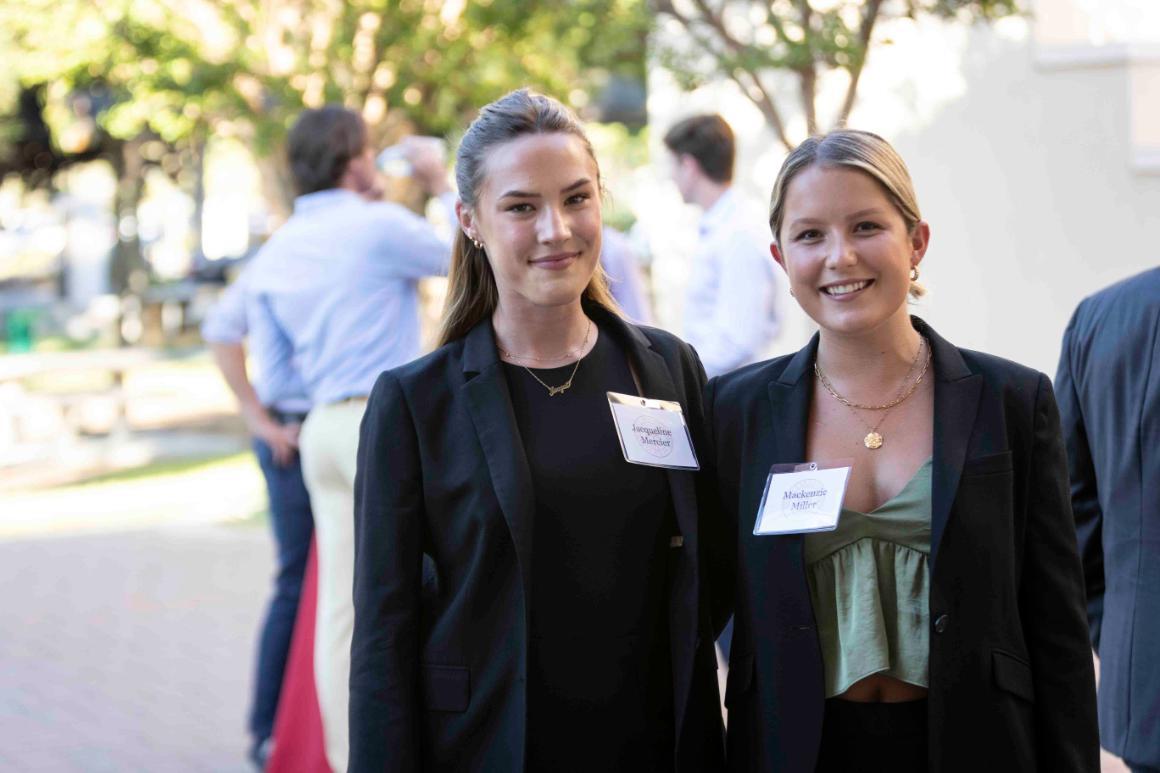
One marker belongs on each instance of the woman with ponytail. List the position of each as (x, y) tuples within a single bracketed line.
[(528, 594)]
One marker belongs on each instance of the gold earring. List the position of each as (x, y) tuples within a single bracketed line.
[(914, 273), (477, 243)]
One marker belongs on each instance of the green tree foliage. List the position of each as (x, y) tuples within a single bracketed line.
[(182, 67), (749, 42), (151, 81)]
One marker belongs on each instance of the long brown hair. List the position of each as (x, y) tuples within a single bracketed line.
[(472, 294)]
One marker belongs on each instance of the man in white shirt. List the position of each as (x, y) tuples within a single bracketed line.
[(731, 313)]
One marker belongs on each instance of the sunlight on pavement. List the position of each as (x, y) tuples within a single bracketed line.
[(220, 491)]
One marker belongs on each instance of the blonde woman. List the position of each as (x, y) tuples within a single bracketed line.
[(940, 625)]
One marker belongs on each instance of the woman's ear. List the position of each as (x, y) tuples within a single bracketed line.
[(775, 251), (466, 219), (919, 241)]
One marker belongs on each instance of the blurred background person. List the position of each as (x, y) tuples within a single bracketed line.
[(273, 405), (938, 623), (1109, 400), (731, 314), (526, 598), (339, 284), (626, 281)]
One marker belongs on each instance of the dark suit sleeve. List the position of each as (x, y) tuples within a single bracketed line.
[(384, 734), (1051, 601), (1085, 501)]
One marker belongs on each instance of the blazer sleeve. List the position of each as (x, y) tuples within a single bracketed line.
[(1051, 600), (384, 691), (1085, 503)]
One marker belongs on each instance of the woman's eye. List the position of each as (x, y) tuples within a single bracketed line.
[(867, 226), (578, 198), (807, 235), (520, 209)]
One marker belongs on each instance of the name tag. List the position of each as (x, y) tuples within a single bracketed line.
[(652, 432), (801, 498)]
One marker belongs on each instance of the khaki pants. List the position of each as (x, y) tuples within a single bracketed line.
[(329, 449)]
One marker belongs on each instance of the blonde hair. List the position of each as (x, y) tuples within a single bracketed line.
[(472, 294), (854, 149)]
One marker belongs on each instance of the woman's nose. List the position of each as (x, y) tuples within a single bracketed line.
[(553, 227), (840, 253)]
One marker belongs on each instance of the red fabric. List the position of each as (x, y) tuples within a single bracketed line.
[(298, 742)]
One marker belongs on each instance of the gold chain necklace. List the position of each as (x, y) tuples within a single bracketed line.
[(554, 390), (874, 439), (577, 352), (898, 397)]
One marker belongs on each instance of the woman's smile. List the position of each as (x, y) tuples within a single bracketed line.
[(555, 262), (847, 289)]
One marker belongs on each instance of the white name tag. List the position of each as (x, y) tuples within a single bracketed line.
[(802, 498), (652, 432)]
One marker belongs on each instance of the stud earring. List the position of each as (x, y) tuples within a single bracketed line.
[(478, 244)]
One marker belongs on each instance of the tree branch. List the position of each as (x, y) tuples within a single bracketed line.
[(869, 17), (808, 73), (754, 90)]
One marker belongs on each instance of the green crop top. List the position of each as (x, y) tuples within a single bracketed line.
[(870, 588)]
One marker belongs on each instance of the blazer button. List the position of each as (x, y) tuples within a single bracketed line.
[(941, 622)]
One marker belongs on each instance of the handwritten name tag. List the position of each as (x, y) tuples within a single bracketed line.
[(802, 498), (652, 432)]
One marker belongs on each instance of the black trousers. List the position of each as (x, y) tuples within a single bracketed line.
[(873, 737)]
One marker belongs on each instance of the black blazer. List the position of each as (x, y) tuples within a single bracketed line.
[(1109, 400), (1011, 682), (444, 517)]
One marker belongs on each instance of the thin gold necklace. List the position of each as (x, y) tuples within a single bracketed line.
[(573, 353), (556, 390), (874, 439)]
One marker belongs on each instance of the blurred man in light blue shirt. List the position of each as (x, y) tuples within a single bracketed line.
[(731, 307), (339, 285), (273, 404)]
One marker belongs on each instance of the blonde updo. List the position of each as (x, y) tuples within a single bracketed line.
[(854, 149)]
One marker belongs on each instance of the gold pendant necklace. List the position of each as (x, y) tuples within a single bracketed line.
[(874, 439), (553, 390)]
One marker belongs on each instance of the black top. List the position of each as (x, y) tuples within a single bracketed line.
[(599, 677)]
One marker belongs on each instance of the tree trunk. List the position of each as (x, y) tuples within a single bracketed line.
[(197, 149), (127, 269)]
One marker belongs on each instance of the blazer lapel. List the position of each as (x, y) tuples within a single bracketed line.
[(495, 424), (784, 442), (789, 397), (656, 382), (956, 404)]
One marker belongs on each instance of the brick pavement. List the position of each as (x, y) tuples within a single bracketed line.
[(131, 651)]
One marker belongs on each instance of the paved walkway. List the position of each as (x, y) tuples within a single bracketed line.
[(130, 651)]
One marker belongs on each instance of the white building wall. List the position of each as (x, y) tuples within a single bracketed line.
[(1033, 144)]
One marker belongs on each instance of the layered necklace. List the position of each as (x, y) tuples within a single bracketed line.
[(577, 353), (874, 439)]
